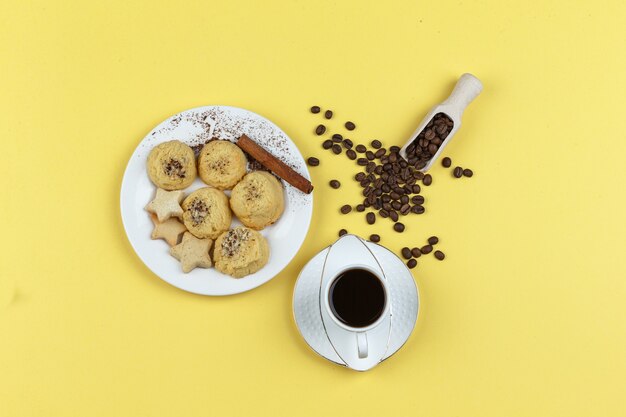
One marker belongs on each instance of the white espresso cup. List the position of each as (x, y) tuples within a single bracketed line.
[(357, 300)]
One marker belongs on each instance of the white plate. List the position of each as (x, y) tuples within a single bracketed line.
[(194, 127)]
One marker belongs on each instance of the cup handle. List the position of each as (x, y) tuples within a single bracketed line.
[(361, 342)]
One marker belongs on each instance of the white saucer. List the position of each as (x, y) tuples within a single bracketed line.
[(404, 298)]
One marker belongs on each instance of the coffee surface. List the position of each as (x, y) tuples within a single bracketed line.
[(357, 298)]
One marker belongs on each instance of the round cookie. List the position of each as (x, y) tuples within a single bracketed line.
[(206, 213), (240, 252), (258, 200), (221, 164), (172, 165)]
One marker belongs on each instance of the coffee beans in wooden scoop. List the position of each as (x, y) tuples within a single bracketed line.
[(428, 141)]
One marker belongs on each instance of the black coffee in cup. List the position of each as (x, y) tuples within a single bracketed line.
[(357, 297)]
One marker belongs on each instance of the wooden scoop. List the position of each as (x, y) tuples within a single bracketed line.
[(465, 90)]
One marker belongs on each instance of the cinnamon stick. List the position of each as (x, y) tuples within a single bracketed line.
[(274, 164)]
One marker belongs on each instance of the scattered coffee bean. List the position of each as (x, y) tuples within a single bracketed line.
[(360, 207), (446, 162), (315, 109), (334, 184), (360, 176), (411, 263), (347, 143), (370, 155), (362, 161), (313, 161), (370, 218), (374, 238), (417, 199), (361, 148), (376, 144), (393, 215), (337, 138), (428, 179), (350, 125), (320, 129), (351, 154), (418, 209), (406, 253), (342, 232), (458, 172), (379, 153), (394, 149), (398, 227), (336, 149), (433, 240), (328, 114), (439, 255), (426, 249), (468, 172), (416, 252), (346, 208)]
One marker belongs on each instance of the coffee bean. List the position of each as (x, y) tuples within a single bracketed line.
[(362, 161), (426, 249), (315, 109), (439, 255), (379, 153), (360, 207), (416, 252), (428, 179), (366, 203), (379, 170), (446, 162), (313, 161), (336, 149), (328, 114), (351, 154), (468, 172), (432, 148), (404, 199), (458, 172), (418, 209), (347, 143), (374, 238), (406, 253), (360, 148), (394, 149), (383, 213), (342, 232), (430, 134), (320, 129), (370, 218), (334, 184), (370, 155), (433, 240), (367, 191), (393, 215), (376, 144), (337, 138), (398, 227), (396, 205), (360, 176), (411, 263), (405, 209), (418, 199), (350, 125)]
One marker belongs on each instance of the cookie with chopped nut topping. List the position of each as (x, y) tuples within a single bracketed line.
[(240, 252), (258, 200), (206, 213), (172, 165), (221, 164)]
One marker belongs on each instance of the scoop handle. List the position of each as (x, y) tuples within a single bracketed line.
[(466, 89)]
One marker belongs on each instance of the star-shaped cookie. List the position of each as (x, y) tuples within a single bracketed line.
[(166, 204), (192, 252), (169, 230)]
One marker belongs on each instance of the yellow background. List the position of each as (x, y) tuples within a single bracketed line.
[(525, 317)]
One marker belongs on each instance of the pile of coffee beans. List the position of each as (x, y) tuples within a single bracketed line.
[(427, 143), (391, 185), (411, 255)]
